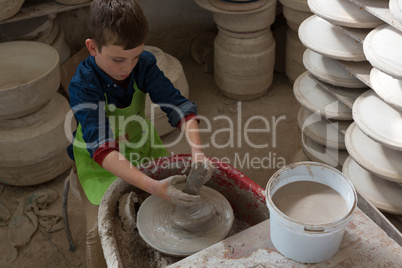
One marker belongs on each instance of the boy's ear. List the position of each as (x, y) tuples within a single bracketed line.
[(91, 46)]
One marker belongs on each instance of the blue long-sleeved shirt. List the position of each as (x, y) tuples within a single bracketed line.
[(90, 84)]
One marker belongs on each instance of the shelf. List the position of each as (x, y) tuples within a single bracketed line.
[(357, 34), (380, 9), (360, 70), (37, 8), (345, 95)]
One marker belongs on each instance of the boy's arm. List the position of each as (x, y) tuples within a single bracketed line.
[(202, 168), (117, 164), (192, 133)]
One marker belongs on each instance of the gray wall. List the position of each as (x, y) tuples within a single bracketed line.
[(173, 25)]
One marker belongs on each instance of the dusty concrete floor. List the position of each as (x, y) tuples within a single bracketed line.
[(274, 115), (258, 155)]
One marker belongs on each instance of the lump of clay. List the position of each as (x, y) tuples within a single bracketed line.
[(199, 174), (195, 218)]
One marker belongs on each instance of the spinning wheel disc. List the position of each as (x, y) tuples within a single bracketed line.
[(156, 227)]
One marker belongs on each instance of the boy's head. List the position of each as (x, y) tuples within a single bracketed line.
[(117, 22), (118, 30)]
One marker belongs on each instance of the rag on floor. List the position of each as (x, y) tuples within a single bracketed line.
[(32, 209), (4, 215)]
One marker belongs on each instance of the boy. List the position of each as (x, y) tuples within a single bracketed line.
[(107, 94)]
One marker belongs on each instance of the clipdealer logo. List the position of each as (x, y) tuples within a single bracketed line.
[(230, 133)]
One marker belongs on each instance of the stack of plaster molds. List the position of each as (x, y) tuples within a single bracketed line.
[(326, 91), (374, 141), (33, 138), (295, 12), (43, 29), (244, 49)]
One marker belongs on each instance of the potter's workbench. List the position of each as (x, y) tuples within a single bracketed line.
[(364, 244)]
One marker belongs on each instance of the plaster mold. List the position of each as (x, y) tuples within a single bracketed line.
[(9, 8), (61, 46), (382, 47), (35, 137), (35, 144), (329, 40), (344, 13), (388, 88), (295, 17), (383, 194), (395, 7), (72, 2), (29, 77), (378, 120), (238, 5), (329, 71), (319, 153), (316, 99), (376, 158), (28, 30), (325, 132), (294, 56), (244, 49)]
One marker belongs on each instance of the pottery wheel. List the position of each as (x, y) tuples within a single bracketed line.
[(165, 232)]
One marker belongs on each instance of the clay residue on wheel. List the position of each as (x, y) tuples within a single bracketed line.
[(159, 230), (133, 251)]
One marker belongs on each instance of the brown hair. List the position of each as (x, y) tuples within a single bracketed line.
[(117, 22)]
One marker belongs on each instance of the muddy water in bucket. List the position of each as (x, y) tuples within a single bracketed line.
[(310, 204)]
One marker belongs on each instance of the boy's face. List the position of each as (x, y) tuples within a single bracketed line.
[(116, 62)]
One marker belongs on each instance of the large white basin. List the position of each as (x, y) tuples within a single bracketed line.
[(29, 77)]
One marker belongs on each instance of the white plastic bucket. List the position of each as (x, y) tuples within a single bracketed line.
[(302, 242)]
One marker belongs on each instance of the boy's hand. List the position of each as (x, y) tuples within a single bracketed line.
[(177, 196), (198, 157), (200, 173)]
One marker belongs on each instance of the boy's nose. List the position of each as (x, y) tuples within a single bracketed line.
[(127, 67)]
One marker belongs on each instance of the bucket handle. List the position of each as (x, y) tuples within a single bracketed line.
[(313, 230)]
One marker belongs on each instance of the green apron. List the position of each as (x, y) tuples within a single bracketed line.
[(133, 132)]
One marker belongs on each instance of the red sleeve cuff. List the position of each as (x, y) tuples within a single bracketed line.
[(104, 150), (187, 118)]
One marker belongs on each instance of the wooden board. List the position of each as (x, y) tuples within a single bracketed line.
[(253, 248), (380, 9)]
